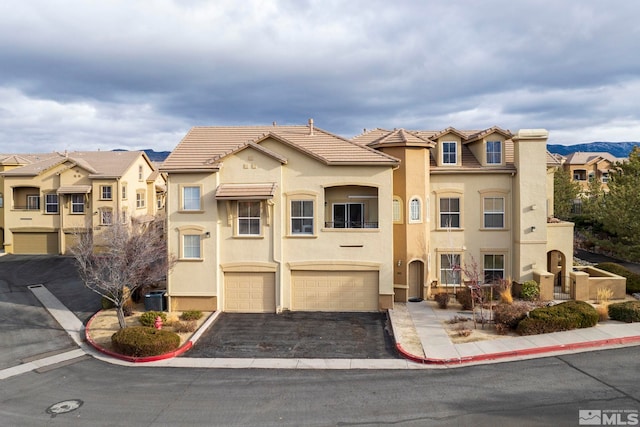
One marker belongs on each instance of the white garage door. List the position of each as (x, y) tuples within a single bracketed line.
[(334, 290), (249, 292)]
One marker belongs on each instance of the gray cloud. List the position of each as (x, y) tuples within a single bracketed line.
[(90, 75)]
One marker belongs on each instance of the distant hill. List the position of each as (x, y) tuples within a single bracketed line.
[(617, 149), (154, 156)]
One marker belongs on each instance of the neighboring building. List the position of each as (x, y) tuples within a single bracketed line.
[(274, 218), (464, 196), (45, 199), (585, 167)]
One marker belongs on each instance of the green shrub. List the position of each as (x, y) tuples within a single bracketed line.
[(191, 315), (463, 296), (530, 290), (141, 341), (442, 299), (628, 311), (106, 303), (562, 317), (633, 279), (509, 315), (148, 318)]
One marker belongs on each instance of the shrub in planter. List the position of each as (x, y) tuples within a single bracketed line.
[(148, 318), (463, 296), (562, 317), (184, 326), (633, 279), (191, 315), (141, 341), (628, 311), (530, 290), (442, 299)]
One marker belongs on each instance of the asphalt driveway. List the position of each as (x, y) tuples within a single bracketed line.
[(297, 335)]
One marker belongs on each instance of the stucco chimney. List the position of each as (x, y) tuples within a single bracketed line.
[(311, 127)]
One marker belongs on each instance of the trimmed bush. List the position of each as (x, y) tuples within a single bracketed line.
[(463, 296), (633, 279), (509, 315), (442, 299), (148, 318), (628, 311), (191, 315), (562, 317), (142, 341), (530, 291)]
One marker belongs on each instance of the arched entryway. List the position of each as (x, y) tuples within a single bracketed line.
[(416, 279), (557, 264)]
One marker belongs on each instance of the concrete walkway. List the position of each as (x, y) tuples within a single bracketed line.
[(417, 328)]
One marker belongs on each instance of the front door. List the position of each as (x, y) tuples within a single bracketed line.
[(415, 279)]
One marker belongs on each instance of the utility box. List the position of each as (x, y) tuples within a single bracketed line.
[(155, 301)]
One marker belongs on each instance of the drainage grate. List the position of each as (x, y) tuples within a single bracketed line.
[(64, 407)]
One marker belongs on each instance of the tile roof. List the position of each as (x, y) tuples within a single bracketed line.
[(203, 148), (99, 164), (583, 158), (245, 191)]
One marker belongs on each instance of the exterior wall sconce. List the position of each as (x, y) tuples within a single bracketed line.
[(533, 228), (399, 263), (207, 234)]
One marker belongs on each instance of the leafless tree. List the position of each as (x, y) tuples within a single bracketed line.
[(123, 257)]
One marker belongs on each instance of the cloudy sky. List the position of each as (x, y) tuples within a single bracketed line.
[(88, 75)]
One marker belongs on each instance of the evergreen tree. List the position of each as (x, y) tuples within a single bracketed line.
[(565, 191), (620, 206)]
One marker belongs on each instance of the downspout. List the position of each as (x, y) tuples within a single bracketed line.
[(276, 240)]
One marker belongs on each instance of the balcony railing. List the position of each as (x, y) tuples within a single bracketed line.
[(25, 208), (351, 224)]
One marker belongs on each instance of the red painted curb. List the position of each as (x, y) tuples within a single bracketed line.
[(516, 353), (184, 348)]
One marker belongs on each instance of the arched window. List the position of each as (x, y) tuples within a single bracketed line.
[(415, 210)]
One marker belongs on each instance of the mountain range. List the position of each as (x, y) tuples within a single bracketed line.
[(617, 149)]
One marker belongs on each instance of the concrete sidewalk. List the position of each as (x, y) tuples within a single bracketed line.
[(418, 332), (421, 337)]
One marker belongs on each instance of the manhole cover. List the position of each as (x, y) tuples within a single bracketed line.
[(64, 406)]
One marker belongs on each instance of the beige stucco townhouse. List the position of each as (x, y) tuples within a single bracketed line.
[(465, 197), (273, 218), (47, 198)]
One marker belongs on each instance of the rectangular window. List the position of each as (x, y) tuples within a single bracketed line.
[(397, 210), (493, 212), (105, 192), (140, 202), (33, 202), (450, 212), (249, 218), (191, 246), (450, 269), (348, 215), (159, 201), (140, 170), (415, 210), (302, 217), (51, 203), (493, 268), (77, 203), (605, 177), (191, 198), (449, 152), (106, 217), (494, 152), (124, 192)]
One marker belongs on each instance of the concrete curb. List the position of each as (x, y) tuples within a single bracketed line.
[(181, 350), (519, 353)]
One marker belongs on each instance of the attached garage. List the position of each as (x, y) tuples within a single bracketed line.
[(334, 290), (40, 243), (253, 292)]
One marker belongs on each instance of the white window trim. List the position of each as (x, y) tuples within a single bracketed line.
[(397, 216), (259, 217), (311, 232), (417, 220), (47, 204), (141, 202), (500, 152), (183, 208), (190, 230), (74, 203), (458, 212), (455, 145), (485, 212), (102, 190)]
